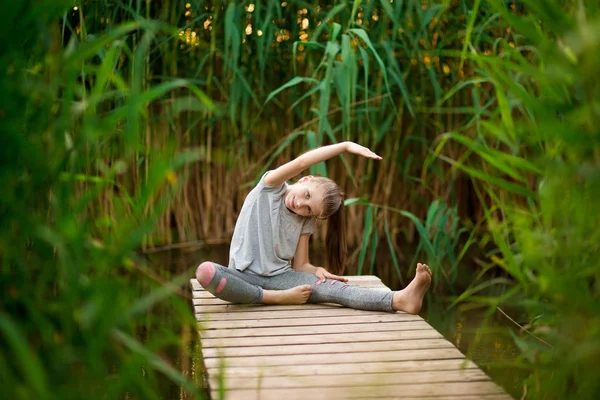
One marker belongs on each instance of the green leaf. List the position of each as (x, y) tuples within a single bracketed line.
[(493, 157), (320, 168), (332, 13), (373, 250), (288, 140), (355, 200), (31, 369), (422, 233), (504, 184), (390, 243), (154, 360), (368, 226), (363, 35), (335, 31), (291, 83), (506, 112)]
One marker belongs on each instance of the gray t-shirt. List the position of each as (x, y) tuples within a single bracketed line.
[(266, 233)]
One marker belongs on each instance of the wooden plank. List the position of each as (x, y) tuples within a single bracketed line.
[(361, 337), (345, 368), (356, 347), (210, 300), (396, 395), (325, 351), (200, 307), (444, 390), (315, 329), (468, 397), (294, 359), (377, 379), (372, 319)]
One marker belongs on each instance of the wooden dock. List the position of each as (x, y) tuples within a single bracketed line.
[(330, 352)]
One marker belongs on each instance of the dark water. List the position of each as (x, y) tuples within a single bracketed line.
[(483, 339)]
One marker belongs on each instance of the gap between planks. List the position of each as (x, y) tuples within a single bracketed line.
[(315, 329)]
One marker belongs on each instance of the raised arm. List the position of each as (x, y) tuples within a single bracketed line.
[(310, 158)]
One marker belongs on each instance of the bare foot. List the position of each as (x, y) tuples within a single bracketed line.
[(410, 299), (296, 295)]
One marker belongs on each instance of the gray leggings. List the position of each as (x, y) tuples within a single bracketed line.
[(246, 288)]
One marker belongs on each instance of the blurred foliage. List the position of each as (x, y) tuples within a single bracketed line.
[(75, 301), (127, 124), (547, 122)]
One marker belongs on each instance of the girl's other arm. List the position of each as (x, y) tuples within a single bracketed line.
[(301, 264), (308, 159)]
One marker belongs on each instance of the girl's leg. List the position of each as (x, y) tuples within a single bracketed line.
[(238, 287), (227, 284), (333, 291), (408, 300)]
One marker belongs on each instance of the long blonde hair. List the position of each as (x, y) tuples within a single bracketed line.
[(333, 211)]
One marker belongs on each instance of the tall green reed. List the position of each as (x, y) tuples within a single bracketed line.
[(364, 71), (536, 158)]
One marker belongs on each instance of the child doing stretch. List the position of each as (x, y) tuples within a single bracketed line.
[(268, 260)]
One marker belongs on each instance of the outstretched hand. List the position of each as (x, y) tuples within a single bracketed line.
[(323, 275), (355, 148)]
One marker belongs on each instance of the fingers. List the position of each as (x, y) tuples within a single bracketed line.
[(339, 278), (363, 151), (372, 155), (369, 154), (321, 276)]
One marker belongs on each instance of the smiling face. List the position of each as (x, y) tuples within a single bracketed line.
[(304, 198)]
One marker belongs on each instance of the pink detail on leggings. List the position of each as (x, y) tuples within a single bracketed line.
[(205, 273), (221, 285), (343, 287)]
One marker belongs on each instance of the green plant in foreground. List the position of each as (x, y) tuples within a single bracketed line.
[(548, 120), (75, 318)]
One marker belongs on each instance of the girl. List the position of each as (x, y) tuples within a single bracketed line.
[(268, 260)]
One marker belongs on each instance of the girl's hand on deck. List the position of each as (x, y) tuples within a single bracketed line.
[(355, 148), (323, 274)]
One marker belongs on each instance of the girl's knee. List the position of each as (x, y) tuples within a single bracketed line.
[(205, 273)]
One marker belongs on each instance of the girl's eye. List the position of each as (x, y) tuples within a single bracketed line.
[(307, 195)]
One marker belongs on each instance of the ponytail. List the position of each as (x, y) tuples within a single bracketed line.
[(335, 241), (333, 212)]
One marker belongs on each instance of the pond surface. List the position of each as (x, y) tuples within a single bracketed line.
[(486, 341)]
